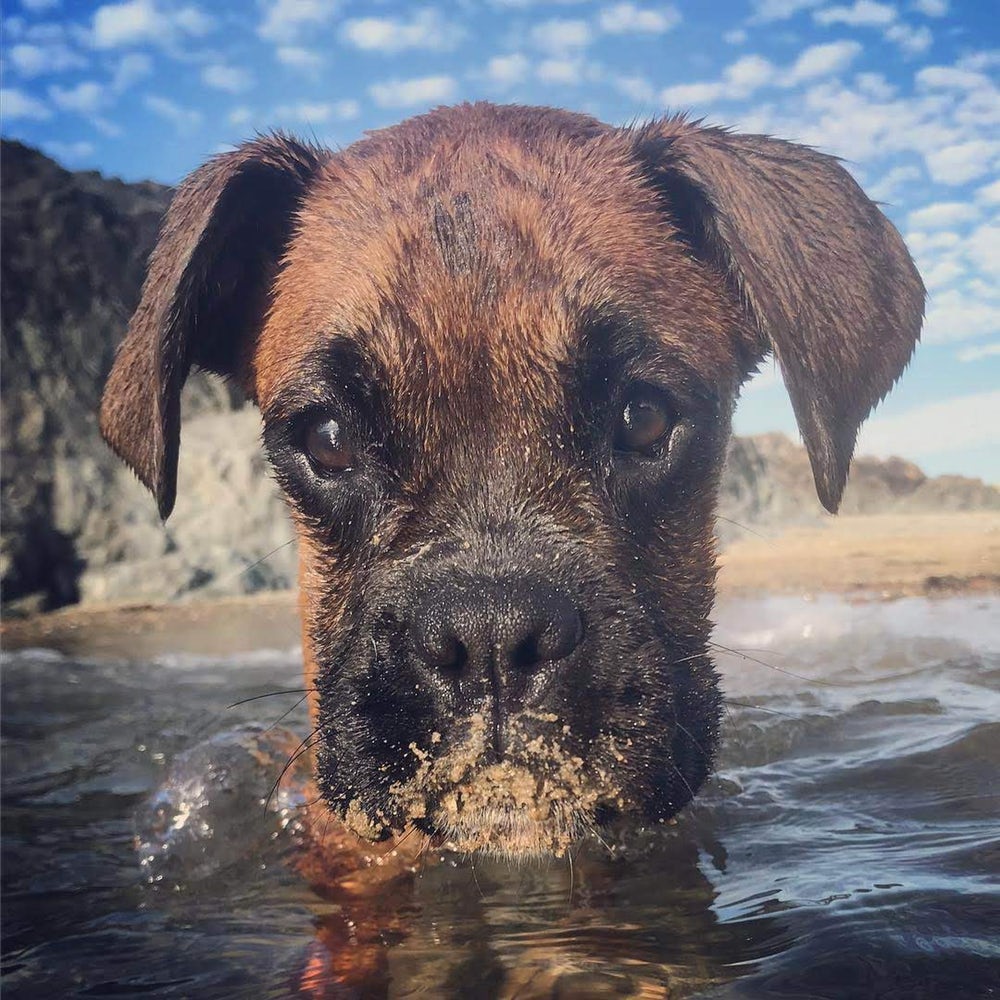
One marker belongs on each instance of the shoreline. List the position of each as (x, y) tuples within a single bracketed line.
[(862, 558)]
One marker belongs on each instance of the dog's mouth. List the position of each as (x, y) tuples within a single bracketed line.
[(536, 802)]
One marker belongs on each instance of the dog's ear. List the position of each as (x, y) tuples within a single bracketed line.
[(205, 296), (825, 277)]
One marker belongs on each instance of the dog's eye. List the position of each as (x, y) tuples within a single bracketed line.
[(327, 446), (645, 422)]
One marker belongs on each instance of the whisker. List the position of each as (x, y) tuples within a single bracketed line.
[(745, 527), (705, 755), (267, 555), (758, 708), (771, 666), (304, 747), (270, 694), (680, 775), (288, 711)]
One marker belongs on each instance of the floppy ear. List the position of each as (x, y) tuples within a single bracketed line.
[(205, 295), (825, 277)]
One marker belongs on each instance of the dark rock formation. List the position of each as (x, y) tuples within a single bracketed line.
[(77, 526), (74, 253)]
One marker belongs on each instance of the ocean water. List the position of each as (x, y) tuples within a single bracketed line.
[(847, 846)]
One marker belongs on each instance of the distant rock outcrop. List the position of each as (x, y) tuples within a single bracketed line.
[(76, 526), (768, 482)]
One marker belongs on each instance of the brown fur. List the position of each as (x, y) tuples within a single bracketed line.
[(471, 260)]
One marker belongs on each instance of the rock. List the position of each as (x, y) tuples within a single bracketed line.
[(75, 247)]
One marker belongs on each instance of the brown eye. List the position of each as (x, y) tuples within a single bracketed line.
[(646, 421), (327, 446)]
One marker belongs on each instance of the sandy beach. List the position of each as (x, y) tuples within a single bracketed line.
[(866, 557), (883, 555)]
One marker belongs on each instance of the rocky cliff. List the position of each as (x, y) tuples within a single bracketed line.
[(75, 524)]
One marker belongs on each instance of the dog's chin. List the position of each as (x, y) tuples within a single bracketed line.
[(507, 811), (536, 802)]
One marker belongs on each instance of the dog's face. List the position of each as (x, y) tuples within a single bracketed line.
[(496, 352)]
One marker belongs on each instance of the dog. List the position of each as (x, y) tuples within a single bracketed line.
[(496, 350)]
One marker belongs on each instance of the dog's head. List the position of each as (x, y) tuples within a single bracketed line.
[(496, 351)]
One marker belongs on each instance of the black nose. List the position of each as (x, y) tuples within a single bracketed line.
[(488, 624)]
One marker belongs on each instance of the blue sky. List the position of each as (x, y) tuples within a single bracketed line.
[(905, 91)]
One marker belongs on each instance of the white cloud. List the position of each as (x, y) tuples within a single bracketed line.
[(932, 8), (183, 119), (977, 61), (232, 79), (86, 97), (962, 162), (414, 92), (137, 22), (131, 68), (979, 352), (752, 72), (735, 37), (567, 72), (739, 79), (285, 20), (951, 78), (507, 71), (69, 152), (35, 60), (15, 103), (949, 425), (911, 40), (561, 35), (941, 215), (982, 249), (887, 186), (822, 60), (937, 277), (961, 313), (862, 13), (636, 88), (687, 95), (989, 193), (627, 18), (747, 74), (316, 112), (845, 121), (874, 85), (106, 127), (425, 30), (299, 58), (780, 10), (924, 244), (347, 109), (240, 116)]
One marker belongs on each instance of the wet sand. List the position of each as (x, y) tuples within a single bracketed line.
[(880, 556)]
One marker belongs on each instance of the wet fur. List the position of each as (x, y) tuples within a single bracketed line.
[(472, 292)]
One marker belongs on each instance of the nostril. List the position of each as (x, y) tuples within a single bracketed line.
[(456, 659), (560, 635), (444, 652), (526, 655)]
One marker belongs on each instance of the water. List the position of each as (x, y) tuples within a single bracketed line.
[(848, 846)]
